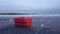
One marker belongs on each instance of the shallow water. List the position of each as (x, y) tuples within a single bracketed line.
[(53, 22), (26, 31)]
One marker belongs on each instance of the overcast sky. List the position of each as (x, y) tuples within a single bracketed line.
[(29, 4)]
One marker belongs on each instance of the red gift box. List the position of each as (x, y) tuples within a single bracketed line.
[(23, 22)]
